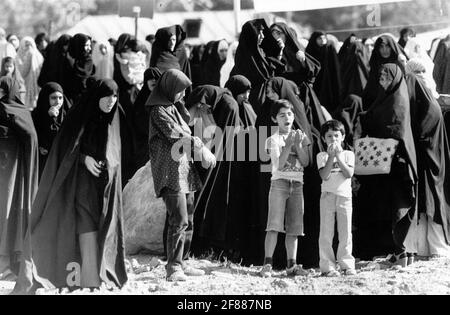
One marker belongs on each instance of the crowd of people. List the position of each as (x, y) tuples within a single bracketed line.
[(251, 144)]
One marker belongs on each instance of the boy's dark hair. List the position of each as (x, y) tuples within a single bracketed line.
[(334, 125), (277, 105)]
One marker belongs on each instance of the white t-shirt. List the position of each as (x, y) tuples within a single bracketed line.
[(337, 183), (293, 170)]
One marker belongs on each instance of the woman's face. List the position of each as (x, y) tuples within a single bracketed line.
[(172, 43), (28, 45), (321, 41), (243, 97), (260, 37), (385, 81), (277, 33), (403, 60), (9, 68), (385, 50), (103, 49), (151, 84), (370, 45), (179, 96), (223, 52), (56, 99), (107, 103), (88, 46), (15, 42)]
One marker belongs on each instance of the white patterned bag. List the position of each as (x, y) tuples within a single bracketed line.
[(374, 155)]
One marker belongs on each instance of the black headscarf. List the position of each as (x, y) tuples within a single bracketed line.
[(141, 119), (95, 135), (346, 47), (355, 69), (239, 84), (216, 218), (18, 174), (162, 58), (433, 154), (441, 71), (295, 70), (211, 64), (56, 64), (389, 116), (75, 83), (376, 61), (52, 242), (48, 127), (196, 66), (180, 52), (251, 61), (328, 82)]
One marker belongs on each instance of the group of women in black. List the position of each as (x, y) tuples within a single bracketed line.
[(88, 137)]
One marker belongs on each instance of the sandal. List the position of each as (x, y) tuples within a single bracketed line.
[(396, 260)]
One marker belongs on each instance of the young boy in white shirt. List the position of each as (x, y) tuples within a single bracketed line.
[(336, 168), (289, 155)]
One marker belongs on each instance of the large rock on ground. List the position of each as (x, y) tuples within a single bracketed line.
[(144, 214)]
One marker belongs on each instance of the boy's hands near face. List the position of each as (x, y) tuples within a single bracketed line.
[(290, 140)]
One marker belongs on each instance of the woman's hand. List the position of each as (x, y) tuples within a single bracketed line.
[(43, 151), (92, 166), (209, 159), (300, 56), (53, 111)]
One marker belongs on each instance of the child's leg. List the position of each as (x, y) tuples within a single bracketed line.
[(291, 243), (294, 222), (327, 220), (90, 277), (269, 246), (344, 224), (279, 192)]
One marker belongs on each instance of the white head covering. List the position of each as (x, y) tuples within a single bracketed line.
[(104, 63), (229, 64), (418, 67), (29, 62)]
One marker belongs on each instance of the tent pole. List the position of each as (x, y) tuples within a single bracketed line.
[(237, 13), (137, 13)]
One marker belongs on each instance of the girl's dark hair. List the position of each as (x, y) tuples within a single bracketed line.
[(334, 125), (278, 105)]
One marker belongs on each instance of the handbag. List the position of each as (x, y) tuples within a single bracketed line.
[(374, 155)]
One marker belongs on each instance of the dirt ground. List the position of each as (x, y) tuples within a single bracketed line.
[(147, 277)]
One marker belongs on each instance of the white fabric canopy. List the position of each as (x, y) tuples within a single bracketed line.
[(215, 24), (304, 5)]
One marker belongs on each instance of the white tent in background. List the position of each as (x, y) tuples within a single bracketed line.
[(425, 39), (304, 5), (214, 25)]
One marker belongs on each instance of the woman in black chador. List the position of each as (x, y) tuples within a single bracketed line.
[(168, 50), (252, 62), (328, 82), (433, 166), (82, 67), (386, 204), (75, 236), (141, 118), (56, 64), (18, 175), (386, 50), (48, 116)]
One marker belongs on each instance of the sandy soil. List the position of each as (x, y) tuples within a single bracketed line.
[(147, 277)]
